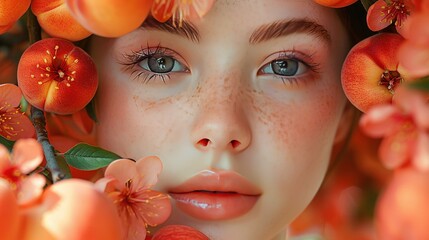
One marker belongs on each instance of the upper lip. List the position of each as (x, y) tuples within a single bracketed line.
[(217, 181)]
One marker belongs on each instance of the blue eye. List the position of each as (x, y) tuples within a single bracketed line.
[(284, 67), (161, 64)]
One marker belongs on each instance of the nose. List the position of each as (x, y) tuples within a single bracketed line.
[(221, 123)]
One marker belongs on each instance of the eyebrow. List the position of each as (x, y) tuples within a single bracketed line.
[(183, 28), (286, 27)]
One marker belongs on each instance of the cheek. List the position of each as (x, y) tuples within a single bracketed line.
[(298, 138)]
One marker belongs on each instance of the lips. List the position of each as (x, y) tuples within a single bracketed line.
[(216, 195)]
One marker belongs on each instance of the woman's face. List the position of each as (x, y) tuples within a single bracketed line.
[(243, 108)]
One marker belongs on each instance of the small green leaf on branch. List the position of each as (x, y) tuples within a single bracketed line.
[(7, 143), (23, 105), (420, 84), (367, 3), (62, 164), (87, 157)]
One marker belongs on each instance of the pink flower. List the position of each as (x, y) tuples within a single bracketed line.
[(414, 52), (385, 12), (404, 124), (180, 10), (127, 183), (27, 154), (13, 123)]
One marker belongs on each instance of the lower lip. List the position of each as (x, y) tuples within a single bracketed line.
[(214, 206)]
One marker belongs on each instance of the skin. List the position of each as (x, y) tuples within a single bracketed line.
[(286, 130)]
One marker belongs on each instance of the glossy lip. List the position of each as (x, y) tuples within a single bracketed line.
[(216, 195)]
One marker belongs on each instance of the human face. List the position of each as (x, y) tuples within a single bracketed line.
[(252, 115)]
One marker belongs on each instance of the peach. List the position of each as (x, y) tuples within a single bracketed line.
[(56, 76), (10, 12), (9, 221), (370, 71), (335, 3), (71, 210), (110, 18), (177, 232), (402, 212), (54, 16)]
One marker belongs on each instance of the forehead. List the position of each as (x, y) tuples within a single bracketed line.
[(247, 15)]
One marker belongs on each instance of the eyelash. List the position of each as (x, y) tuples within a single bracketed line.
[(134, 58), (305, 59)]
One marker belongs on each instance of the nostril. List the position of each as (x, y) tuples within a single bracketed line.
[(204, 142), (235, 143)]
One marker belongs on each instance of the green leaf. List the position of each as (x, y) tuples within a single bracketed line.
[(420, 84), (90, 109), (87, 157), (63, 166), (23, 105), (7, 143), (367, 3)]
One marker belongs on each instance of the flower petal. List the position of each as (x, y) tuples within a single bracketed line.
[(397, 148), (148, 169), (415, 29), (378, 121), (30, 189), (414, 58), (421, 152), (21, 124), (154, 206), (200, 8), (136, 230), (10, 94), (122, 170), (162, 10), (375, 16), (27, 154), (102, 184), (4, 158)]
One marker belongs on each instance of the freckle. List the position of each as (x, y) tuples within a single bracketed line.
[(39, 82), (32, 76), (76, 60), (45, 60), (68, 84)]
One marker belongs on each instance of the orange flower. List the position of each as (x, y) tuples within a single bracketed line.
[(13, 123), (127, 183), (385, 12), (27, 154), (404, 126), (414, 52), (180, 10)]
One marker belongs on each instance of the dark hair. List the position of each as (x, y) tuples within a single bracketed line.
[(354, 19)]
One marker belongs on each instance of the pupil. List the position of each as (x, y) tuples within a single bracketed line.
[(161, 64), (285, 67)]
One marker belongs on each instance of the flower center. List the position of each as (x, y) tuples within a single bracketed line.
[(9, 126), (13, 175), (58, 69), (395, 10), (390, 79)]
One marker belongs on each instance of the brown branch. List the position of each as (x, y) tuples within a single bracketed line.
[(37, 115)]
